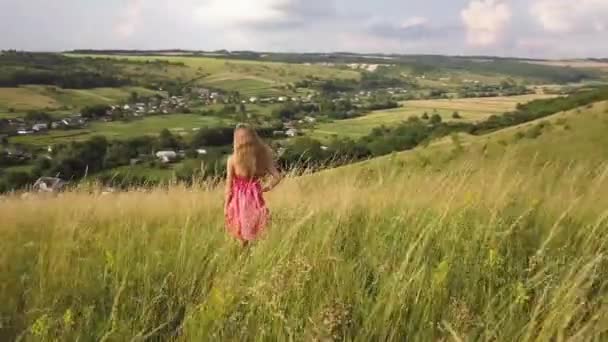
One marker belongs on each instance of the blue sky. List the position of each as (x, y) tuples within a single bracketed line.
[(526, 28)]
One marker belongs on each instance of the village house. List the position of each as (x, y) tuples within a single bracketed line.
[(73, 122), (253, 99), (267, 100), (24, 131), (39, 127), (166, 156), (292, 132)]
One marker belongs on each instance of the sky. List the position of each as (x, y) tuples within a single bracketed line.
[(522, 28)]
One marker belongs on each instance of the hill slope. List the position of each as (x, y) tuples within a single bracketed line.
[(573, 136), (456, 241)]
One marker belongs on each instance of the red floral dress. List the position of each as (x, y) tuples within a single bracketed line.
[(246, 214)]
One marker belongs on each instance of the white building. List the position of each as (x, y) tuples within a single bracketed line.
[(40, 127), (292, 132), (166, 156)]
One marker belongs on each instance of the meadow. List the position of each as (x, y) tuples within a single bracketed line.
[(470, 110), (449, 242)]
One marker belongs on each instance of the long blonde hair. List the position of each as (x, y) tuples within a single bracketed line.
[(252, 157)]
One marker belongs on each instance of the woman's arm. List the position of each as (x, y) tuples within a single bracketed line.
[(229, 180), (275, 178)]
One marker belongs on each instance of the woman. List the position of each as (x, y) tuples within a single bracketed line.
[(245, 209)]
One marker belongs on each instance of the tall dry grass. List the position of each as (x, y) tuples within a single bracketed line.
[(482, 250)]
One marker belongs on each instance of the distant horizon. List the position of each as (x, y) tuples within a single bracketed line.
[(312, 52)]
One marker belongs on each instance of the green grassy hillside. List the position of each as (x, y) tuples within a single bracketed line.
[(501, 237), (573, 136)]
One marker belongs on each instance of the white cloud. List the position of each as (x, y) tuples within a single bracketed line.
[(129, 19), (566, 16), (239, 12), (414, 22), (486, 21), (262, 13)]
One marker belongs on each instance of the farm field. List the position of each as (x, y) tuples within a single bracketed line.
[(466, 246), (27, 98), (245, 86), (255, 78), (179, 124), (470, 109), (583, 64), (23, 99)]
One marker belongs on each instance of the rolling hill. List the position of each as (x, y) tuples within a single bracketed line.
[(497, 237)]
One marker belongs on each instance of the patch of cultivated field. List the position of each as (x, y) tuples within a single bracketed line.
[(236, 73), (24, 99), (476, 105), (471, 110), (246, 86), (577, 63), (36, 97), (179, 124)]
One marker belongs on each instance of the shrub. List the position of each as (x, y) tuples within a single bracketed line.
[(436, 119), (519, 135), (534, 132)]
